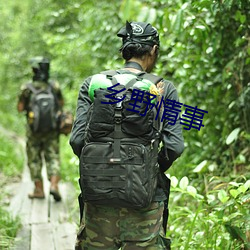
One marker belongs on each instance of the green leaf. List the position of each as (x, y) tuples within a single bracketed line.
[(242, 189), (201, 27), (184, 183), (222, 196), (177, 25), (234, 192), (232, 136), (234, 215), (174, 181), (233, 183), (200, 167), (247, 184), (248, 61), (192, 190)]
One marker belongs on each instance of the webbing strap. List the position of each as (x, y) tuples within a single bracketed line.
[(105, 160), (109, 196), (104, 172), (99, 184), (131, 82), (153, 78), (118, 116)]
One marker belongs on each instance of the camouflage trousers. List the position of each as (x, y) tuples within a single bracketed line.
[(121, 228), (43, 149)]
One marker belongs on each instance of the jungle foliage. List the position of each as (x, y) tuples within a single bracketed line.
[(205, 52)]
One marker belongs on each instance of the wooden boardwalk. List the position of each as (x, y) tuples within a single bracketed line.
[(46, 224)]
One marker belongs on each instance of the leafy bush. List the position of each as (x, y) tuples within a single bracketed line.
[(219, 219), (11, 156)]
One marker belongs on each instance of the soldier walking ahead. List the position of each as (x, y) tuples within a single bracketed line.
[(42, 101)]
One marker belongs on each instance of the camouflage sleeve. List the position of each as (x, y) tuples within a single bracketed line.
[(24, 96)]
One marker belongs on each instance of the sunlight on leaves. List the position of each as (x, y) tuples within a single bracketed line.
[(200, 167), (232, 136), (192, 190), (184, 183), (174, 181)]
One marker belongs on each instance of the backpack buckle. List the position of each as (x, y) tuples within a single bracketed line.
[(118, 118)]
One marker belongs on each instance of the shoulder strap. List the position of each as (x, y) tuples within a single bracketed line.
[(32, 88), (51, 84), (153, 78), (35, 91), (110, 73)]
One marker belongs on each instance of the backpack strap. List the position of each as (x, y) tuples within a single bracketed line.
[(110, 73), (35, 90), (153, 78), (32, 88)]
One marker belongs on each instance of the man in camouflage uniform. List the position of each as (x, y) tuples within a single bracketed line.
[(113, 228), (42, 145)]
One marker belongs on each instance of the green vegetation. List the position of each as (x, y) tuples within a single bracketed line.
[(205, 52), (11, 163), (216, 219), (11, 156), (8, 229)]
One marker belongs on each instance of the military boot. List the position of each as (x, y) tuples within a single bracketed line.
[(38, 191), (54, 179)]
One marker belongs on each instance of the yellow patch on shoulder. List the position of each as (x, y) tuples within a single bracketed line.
[(153, 90)]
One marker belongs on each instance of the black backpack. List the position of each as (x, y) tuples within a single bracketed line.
[(43, 109), (118, 164)]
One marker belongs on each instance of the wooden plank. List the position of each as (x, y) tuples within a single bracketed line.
[(40, 207), (71, 202), (64, 235), (58, 211), (20, 192), (39, 211), (26, 172), (24, 212), (61, 211), (70, 196), (60, 214), (22, 240), (16, 202), (42, 237)]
